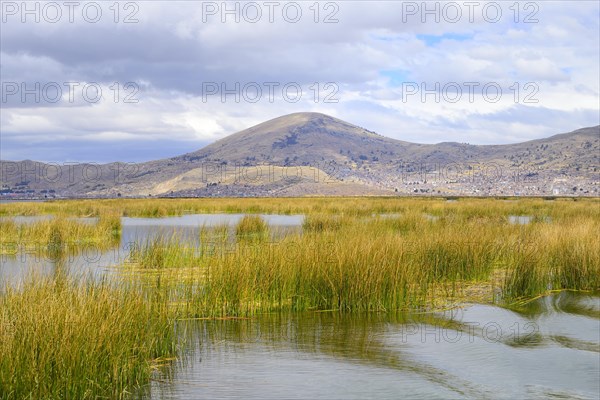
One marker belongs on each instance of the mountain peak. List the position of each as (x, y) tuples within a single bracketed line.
[(354, 160), (302, 137), (305, 115)]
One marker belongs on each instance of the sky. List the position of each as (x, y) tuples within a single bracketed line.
[(140, 80)]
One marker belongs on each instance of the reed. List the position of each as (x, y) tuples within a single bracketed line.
[(63, 339), (560, 208), (362, 265), (109, 225), (59, 234), (556, 257), (322, 222), (160, 252), (386, 264), (251, 227)]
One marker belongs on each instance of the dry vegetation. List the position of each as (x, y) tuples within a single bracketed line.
[(60, 338), (63, 340)]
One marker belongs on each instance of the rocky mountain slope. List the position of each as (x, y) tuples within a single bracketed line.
[(315, 154)]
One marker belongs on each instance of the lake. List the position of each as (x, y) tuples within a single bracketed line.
[(549, 348), (91, 261)]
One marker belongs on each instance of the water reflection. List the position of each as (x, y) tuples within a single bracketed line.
[(27, 219), (89, 260), (527, 219), (475, 352), (569, 319), (546, 348)]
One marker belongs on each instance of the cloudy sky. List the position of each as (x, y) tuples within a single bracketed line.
[(147, 79)]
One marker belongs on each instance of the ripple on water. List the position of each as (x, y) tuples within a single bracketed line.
[(467, 353)]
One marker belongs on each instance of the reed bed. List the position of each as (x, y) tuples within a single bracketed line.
[(323, 222), (405, 261), (560, 208), (366, 265), (65, 339), (59, 234), (448, 241), (60, 339), (161, 253), (555, 257), (252, 227)]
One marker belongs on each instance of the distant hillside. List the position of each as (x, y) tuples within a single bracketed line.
[(315, 154)]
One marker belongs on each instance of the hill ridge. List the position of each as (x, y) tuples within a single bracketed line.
[(347, 159)]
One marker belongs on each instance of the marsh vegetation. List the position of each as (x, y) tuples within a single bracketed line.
[(82, 338)]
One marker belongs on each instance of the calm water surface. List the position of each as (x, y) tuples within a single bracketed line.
[(549, 349), (91, 261)]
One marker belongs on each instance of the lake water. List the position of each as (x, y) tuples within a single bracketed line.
[(91, 261), (526, 219), (548, 349)]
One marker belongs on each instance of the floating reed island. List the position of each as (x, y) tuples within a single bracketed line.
[(65, 337)]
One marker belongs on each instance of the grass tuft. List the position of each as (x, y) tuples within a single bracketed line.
[(63, 339), (251, 226)]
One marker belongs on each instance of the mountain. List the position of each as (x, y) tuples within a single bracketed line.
[(315, 154)]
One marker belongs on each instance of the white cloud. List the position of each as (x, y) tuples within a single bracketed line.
[(171, 51)]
